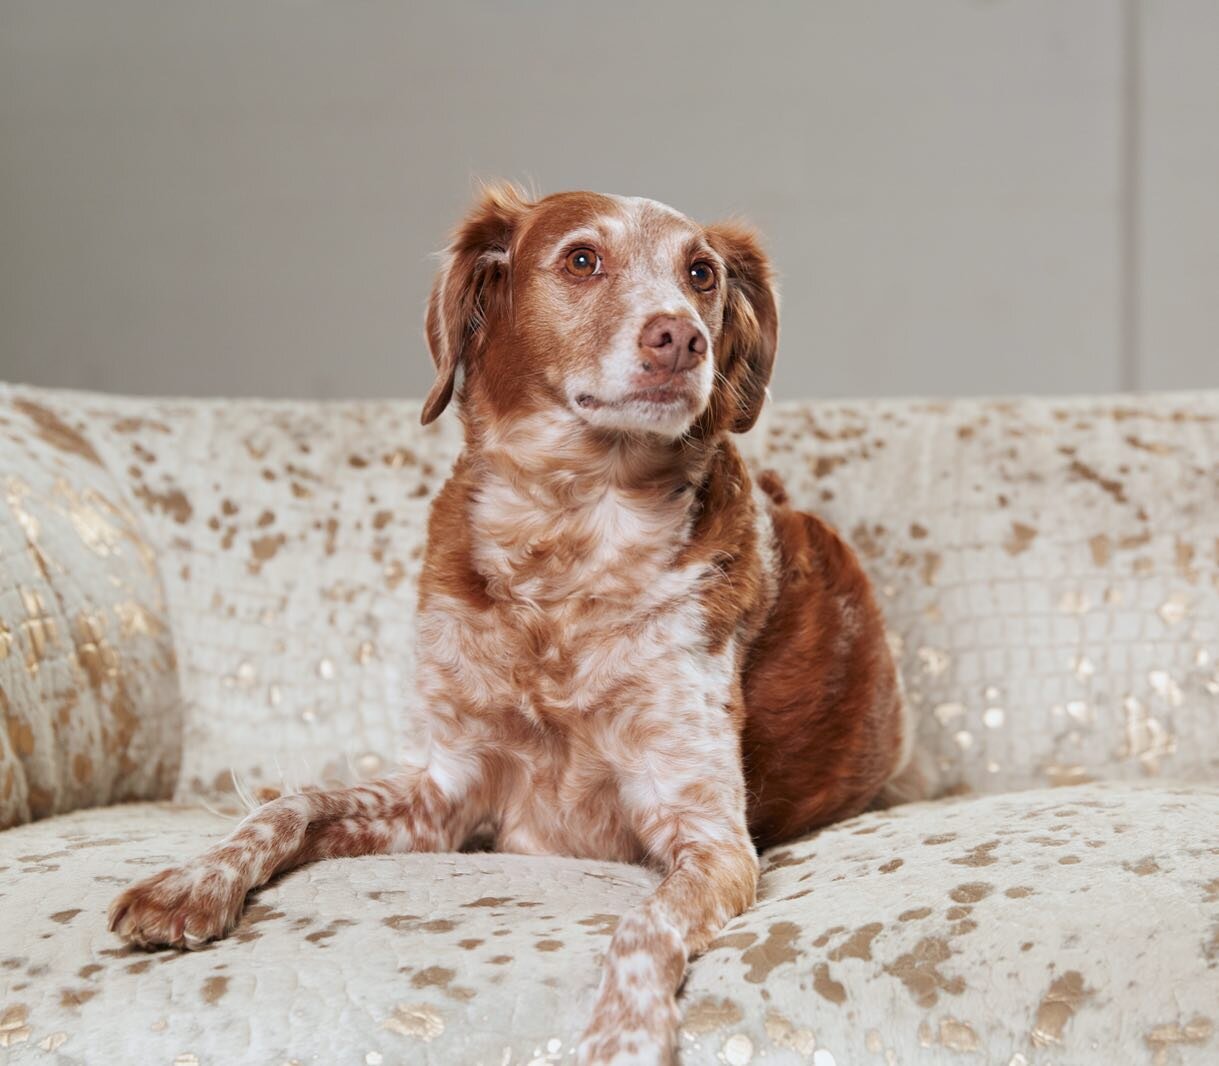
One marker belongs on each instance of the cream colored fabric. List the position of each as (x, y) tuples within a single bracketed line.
[(289, 538), (88, 683), (1049, 570), (1078, 925), (1050, 574)]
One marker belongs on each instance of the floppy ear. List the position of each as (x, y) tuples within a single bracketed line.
[(471, 289), (750, 335)]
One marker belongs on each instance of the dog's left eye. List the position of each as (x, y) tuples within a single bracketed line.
[(702, 276), (583, 262)]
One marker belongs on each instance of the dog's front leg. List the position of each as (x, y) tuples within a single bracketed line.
[(712, 875), (188, 905)]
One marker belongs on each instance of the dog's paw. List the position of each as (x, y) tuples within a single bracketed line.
[(182, 907)]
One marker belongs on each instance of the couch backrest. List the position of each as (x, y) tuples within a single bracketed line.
[(1049, 570)]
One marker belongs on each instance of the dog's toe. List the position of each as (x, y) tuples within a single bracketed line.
[(178, 907)]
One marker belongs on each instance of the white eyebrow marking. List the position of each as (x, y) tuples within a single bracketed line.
[(614, 225), (584, 233)]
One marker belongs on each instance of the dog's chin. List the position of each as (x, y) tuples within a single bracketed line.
[(667, 412)]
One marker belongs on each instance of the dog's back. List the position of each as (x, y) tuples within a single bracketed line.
[(825, 729)]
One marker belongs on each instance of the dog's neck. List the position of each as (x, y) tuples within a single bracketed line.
[(561, 510)]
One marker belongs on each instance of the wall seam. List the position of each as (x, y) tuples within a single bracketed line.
[(1129, 216)]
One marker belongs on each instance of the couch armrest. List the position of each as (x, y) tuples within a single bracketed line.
[(89, 698)]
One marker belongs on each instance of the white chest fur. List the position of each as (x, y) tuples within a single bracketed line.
[(586, 599)]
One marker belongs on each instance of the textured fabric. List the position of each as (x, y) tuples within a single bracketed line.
[(290, 538), (1077, 925), (1049, 570), (89, 704), (1050, 575)]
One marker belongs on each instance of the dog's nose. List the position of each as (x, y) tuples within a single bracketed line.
[(671, 343)]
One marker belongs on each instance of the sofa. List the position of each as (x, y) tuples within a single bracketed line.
[(204, 600)]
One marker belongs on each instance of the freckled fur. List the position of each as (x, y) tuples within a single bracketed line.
[(626, 649)]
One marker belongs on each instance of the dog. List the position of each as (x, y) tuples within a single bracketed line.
[(628, 648)]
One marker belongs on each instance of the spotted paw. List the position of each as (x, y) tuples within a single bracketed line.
[(182, 907)]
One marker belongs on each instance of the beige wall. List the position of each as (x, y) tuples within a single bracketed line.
[(241, 196)]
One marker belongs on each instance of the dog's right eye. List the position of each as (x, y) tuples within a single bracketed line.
[(583, 262)]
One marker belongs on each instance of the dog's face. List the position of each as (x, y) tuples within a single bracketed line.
[(621, 312)]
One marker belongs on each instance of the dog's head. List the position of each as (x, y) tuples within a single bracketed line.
[(619, 312)]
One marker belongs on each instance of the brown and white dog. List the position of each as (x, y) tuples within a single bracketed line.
[(627, 649)]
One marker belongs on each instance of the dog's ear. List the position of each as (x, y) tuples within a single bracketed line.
[(471, 289), (750, 335)]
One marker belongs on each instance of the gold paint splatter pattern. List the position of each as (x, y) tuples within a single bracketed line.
[(417, 1020), (710, 1014), (1064, 997), (87, 662), (436, 936), (1064, 538), (1107, 613)]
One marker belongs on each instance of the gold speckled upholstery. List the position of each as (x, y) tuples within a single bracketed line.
[(192, 588), (88, 681)]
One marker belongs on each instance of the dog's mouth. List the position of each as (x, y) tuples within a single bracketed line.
[(666, 396)]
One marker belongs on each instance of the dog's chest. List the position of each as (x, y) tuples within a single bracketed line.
[(585, 603), (550, 660), (586, 676), (565, 794)]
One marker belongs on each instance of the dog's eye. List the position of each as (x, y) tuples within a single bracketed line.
[(702, 276), (583, 262)]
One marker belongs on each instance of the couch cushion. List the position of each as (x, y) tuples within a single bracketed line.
[(89, 707), (1076, 925)]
